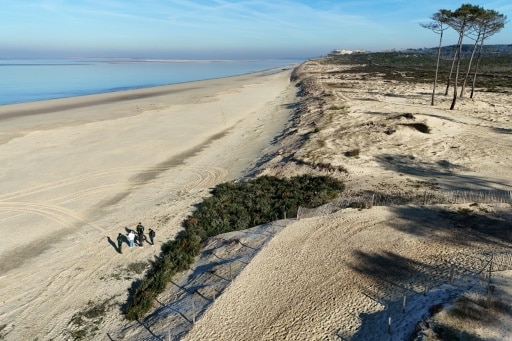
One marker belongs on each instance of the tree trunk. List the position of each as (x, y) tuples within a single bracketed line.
[(469, 66), (451, 72), (437, 67), (479, 56), (461, 37)]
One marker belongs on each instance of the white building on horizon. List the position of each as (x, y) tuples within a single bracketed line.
[(343, 51)]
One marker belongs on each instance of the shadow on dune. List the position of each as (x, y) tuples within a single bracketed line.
[(444, 170), (501, 130), (461, 227), (394, 323), (393, 275), (408, 291)]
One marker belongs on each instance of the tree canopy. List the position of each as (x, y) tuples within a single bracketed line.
[(469, 21)]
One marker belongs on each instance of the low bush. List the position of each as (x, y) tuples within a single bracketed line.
[(84, 324), (231, 207), (421, 127), (137, 267), (352, 153)]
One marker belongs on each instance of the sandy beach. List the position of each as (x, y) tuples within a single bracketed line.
[(82, 172), (78, 171)]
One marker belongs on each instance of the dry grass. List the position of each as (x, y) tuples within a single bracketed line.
[(468, 314)]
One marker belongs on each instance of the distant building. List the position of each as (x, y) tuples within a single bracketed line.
[(341, 52)]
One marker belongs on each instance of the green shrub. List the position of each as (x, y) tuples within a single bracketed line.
[(137, 267), (352, 153), (421, 127), (231, 207), (359, 204)]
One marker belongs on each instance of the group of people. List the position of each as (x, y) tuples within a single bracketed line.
[(133, 238)]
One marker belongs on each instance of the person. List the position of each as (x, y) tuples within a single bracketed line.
[(140, 233), (131, 238), (120, 239), (152, 235)]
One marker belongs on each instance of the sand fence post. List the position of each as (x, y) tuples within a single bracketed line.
[(452, 268), (193, 311), (490, 288), (490, 291), (490, 267), (481, 280)]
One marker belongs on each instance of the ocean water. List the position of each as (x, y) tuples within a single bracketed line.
[(32, 80)]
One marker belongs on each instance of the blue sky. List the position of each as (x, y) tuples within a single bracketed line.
[(204, 29)]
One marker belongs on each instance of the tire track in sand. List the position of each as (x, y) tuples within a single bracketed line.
[(58, 214), (206, 177), (203, 178), (76, 180)]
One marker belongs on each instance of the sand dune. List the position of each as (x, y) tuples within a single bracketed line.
[(342, 275)]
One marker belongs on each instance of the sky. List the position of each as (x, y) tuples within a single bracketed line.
[(221, 29)]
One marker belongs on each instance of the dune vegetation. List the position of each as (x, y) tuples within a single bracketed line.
[(232, 207)]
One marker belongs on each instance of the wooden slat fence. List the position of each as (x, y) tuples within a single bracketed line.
[(369, 199)]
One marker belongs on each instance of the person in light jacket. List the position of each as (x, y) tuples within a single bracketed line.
[(131, 238)]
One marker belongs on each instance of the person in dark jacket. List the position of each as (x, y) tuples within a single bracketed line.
[(140, 234), (120, 240), (152, 235)]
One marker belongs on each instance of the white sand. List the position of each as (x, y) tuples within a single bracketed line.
[(77, 171)]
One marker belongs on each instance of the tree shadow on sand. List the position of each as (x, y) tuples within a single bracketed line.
[(444, 170), (407, 290), (459, 227), (393, 275)]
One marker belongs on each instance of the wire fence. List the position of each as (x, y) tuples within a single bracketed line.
[(193, 293), (192, 300), (448, 282), (369, 199), (404, 313)]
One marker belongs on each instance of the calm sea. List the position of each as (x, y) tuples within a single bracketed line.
[(34, 80)]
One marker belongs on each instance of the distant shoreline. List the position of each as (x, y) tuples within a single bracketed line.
[(43, 80), (8, 111)]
